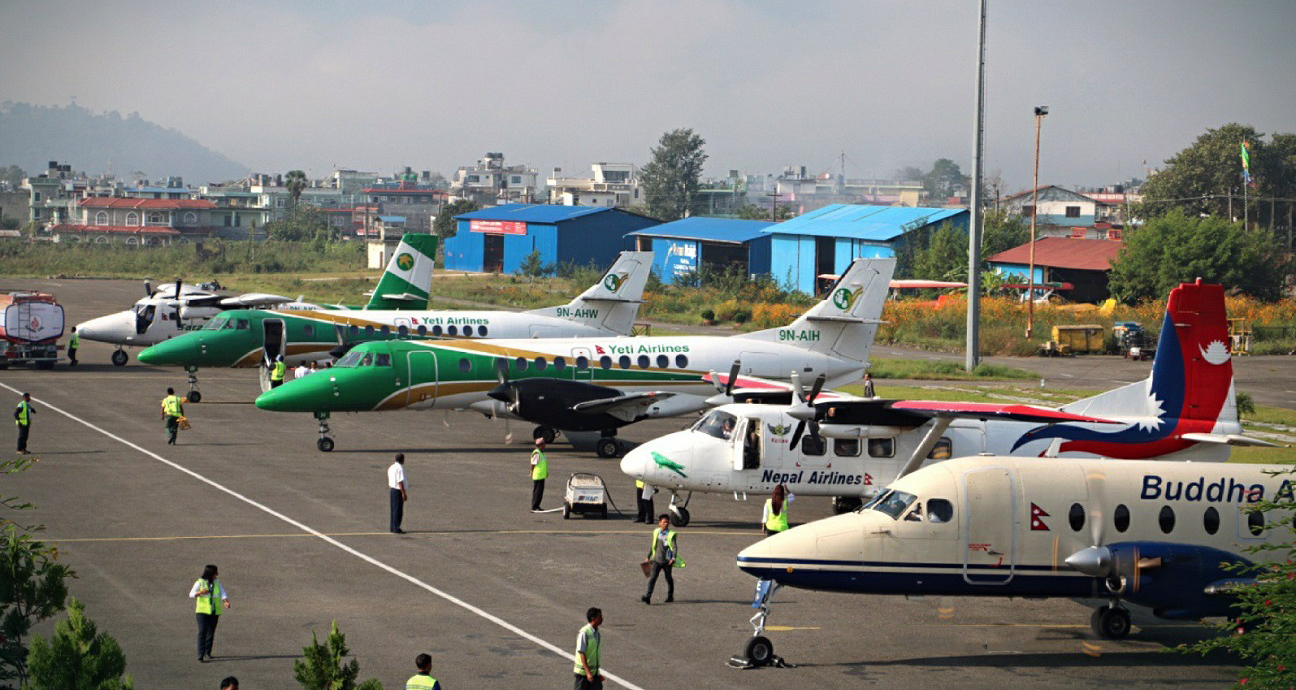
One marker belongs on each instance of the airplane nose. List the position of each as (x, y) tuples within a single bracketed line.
[(313, 393), (635, 463), (174, 352), (97, 328)]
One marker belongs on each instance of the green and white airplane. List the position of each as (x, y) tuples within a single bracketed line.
[(599, 383), (256, 337)]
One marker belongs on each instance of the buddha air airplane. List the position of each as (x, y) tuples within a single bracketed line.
[(257, 337), (1184, 410), (170, 312), (596, 384), (1154, 534)]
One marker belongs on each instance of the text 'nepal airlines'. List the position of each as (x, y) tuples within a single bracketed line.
[(1185, 410), (582, 384), (170, 313), (1156, 534)]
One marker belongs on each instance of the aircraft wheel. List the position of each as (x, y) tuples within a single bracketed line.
[(759, 650), (194, 396), (119, 358), (545, 432), (603, 511), (1110, 623), (325, 445), (566, 510), (679, 516), (607, 447)]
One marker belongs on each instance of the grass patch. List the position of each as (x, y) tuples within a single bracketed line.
[(926, 369)]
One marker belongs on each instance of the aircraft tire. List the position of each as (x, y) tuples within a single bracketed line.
[(679, 516), (545, 432), (607, 447), (119, 358), (194, 396), (325, 445), (759, 651), (1110, 623)]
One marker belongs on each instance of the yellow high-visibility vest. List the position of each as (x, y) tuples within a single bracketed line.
[(776, 522), (24, 414), (420, 682), (277, 373), (210, 602), (171, 406), (670, 544), (591, 651), (541, 468)]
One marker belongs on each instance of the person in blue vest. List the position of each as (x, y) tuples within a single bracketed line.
[(208, 591), (589, 652), (23, 418), (422, 680)]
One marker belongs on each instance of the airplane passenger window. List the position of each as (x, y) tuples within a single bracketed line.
[(1121, 518), (354, 330), (881, 447), (943, 450), (1256, 523), (813, 445), (1166, 519), (464, 364), (624, 362), (422, 331), (560, 363), (1210, 520), (681, 362), (605, 362), (520, 363), (582, 363), (540, 363), (481, 330), (382, 360), (846, 447), (940, 510), (402, 330), (1076, 517), (242, 325), (467, 330), (385, 330), (436, 331), (369, 331), (452, 330), (309, 330), (663, 361), (644, 362)]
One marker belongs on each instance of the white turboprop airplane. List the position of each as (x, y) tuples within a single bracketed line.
[(170, 310), (1185, 410), (1154, 534)]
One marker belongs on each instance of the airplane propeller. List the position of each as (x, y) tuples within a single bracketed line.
[(343, 347), (178, 302), (806, 411), (1121, 567)]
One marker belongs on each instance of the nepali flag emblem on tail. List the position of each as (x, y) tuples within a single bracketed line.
[(1037, 519)]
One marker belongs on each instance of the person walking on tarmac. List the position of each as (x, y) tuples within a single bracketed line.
[(23, 418), (539, 470), (645, 504), (869, 391), (774, 519), (664, 557), (589, 643), (277, 372), (207, 591), (172, 411), (397, 489), (74, 342), (422, 680)]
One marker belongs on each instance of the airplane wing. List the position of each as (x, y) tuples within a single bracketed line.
[(753, 387), (627, 407), (1016, 412), (253, 299), (1230, 439)]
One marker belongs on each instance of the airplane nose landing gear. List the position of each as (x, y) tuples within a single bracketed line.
[(759, 651), (325, 443), (194, 394), (119, 357)]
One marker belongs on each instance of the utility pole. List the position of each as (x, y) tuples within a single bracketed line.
[(1040, 112), (974, 220), (774, 197)]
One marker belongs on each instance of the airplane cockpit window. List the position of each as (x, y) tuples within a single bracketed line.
[(881, 447), (350, 359), (914, 515), (893, 503), (144, 316), (940, 510), (717, 424), (217, 323), (382, 360), (242, 325), (367, 360)]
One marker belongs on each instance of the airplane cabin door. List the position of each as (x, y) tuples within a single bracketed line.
[(422, 383), (582, 364), (989, 533), (274, 345)]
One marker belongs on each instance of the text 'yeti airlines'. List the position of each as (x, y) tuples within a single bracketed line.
[(595, 384), (255, 337), (1184, 410)]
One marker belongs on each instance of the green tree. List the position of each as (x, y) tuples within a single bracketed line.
[(77, 657), (445, 225), (944, 179), (322, 667), (672, 178), (533, 267), (1174, 248), (295, 181), (910, 173), (33, 587), (13, 175), (1001, 231), (754, 212), (945, 257), (301, 224)]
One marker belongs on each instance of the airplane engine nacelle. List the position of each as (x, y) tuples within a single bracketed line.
[(198, 313), (676, 405), (1171, 578)]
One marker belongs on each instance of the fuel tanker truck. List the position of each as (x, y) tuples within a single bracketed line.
[(30, 329)]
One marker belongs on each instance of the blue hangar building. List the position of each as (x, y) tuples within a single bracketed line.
[(498, 239), (682, 247)]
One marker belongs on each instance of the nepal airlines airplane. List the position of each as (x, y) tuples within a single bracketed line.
[(1185, 410), (1154, 534), (169, 313), (256, 337), (579, 384)]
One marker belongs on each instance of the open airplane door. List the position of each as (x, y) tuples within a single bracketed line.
[(990, 540), (272, 345)]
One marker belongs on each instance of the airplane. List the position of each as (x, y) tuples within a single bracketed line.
[(250, 338), (1184, 410), (169, 311), (600, 383), (1160, 535)]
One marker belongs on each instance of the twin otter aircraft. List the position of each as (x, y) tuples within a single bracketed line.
[(1185, 410)]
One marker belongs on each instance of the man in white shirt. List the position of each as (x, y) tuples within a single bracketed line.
[(397, 489), (302, 371)]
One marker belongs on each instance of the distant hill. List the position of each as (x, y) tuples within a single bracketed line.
[(31, 136)]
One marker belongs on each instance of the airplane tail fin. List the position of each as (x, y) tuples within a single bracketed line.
[(1192, 373), (408, 278), (613, 302), (844, 323)]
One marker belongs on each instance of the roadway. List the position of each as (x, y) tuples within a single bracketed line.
[(493, 592)]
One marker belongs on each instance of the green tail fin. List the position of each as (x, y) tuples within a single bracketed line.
[(408, 279)]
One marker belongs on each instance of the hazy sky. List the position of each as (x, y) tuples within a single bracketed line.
[(376, 85)]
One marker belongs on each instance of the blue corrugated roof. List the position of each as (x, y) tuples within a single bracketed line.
[(392, 219), (709, 230), (532, 213), (878, 223)]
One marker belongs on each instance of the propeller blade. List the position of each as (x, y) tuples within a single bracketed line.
[(733, 376), (796, 435), (797, 388), (1097, 499), (818, 386), (501, 371), (814, 429)]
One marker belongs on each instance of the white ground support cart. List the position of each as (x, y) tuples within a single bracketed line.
[(586, 493)]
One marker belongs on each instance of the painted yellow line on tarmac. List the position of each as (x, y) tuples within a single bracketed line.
[(416, 533), (785, 628)]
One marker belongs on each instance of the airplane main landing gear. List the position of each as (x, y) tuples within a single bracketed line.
[(608, 446), (325, 444), (119, 357), (679, 515), (1111, 622), (545, 432), (194, 394), (759, 651)]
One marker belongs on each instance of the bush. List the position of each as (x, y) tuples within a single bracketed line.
[(78, 656), (775, 315), (322, 667), (708, 315)]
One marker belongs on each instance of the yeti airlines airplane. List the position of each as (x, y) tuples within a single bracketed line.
[(578, 384), (1183, 411), (1154, 534)]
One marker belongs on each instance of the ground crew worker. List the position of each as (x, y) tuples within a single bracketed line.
[(172, 410), (277, 372), (589, 652), (645, 504), (74, 341), (422, 680), (206, 591), (22, 418), (397, 490), (664, 557), (775, 517), (539, 470)]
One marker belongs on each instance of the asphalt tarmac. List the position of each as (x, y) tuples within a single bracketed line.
[(493, 592)]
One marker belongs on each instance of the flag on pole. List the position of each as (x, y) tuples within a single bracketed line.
[(1246, 162)]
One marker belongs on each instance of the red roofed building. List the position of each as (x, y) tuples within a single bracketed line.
[(1082, 262), (123, 220)]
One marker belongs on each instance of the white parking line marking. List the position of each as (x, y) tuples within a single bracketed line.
[(564, 655)]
